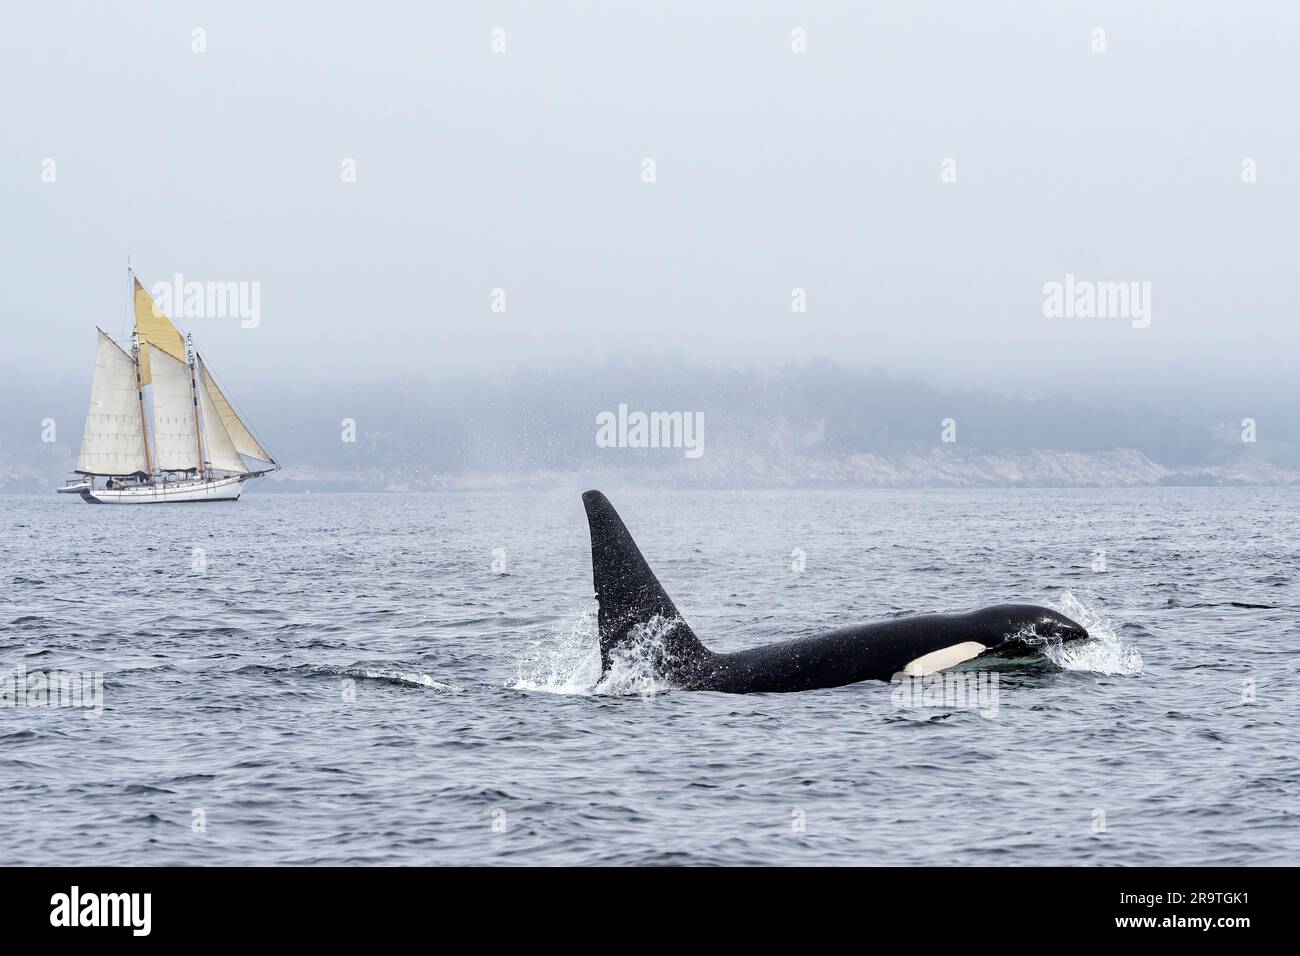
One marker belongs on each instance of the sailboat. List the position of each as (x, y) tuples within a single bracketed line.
[(198, 447)]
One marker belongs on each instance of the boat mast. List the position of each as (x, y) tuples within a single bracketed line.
[(135, 353), (190, 354)]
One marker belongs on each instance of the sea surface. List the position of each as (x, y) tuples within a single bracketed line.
[(414, 679)]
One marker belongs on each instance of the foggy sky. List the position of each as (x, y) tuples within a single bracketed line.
[(522, 170)]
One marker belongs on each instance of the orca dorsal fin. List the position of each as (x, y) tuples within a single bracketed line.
[(629, 594)]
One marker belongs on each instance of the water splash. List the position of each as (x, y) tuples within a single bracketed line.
[(566, 662), (637, 665), (1103, 653)]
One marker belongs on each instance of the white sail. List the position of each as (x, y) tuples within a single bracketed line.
[(174, 438), (218, 449), (113, 442), (242, 438)]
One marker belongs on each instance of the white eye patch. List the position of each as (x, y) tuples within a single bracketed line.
[(944, 658)]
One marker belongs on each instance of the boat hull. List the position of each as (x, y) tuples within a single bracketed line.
[(218, 489)]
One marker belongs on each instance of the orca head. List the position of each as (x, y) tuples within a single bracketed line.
[(1027, 627)]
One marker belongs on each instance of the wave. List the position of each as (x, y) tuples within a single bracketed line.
[(401, 678), (387, 676)]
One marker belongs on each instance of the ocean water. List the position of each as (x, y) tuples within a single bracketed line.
[(414, 679)]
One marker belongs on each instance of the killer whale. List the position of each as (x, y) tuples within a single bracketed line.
[(633, 605)]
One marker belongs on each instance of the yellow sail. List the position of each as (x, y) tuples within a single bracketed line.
[(154, 328)]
